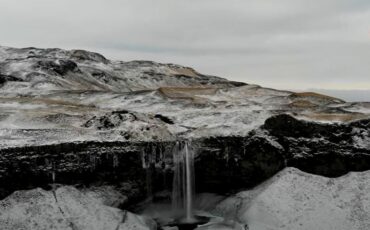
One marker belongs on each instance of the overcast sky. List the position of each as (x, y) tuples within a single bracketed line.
[(287, 44)]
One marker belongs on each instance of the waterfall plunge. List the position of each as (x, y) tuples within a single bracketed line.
[(183, 181), (182, 215)]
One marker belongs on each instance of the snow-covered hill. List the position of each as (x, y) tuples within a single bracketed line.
[(37, 71), (50, 95), (66, 208)]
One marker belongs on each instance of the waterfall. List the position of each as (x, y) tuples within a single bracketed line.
[(189, 172), (53, 176), (183, 181), (148, 164)]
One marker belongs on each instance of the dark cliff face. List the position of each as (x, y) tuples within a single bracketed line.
[(222, 164), (83, 164), (229, 164), (325, 149)]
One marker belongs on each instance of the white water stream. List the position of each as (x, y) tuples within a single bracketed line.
[(183, 182)]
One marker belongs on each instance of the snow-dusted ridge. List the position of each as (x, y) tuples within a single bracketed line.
[(47, 95)]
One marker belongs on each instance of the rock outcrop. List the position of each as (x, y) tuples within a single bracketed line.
[(222, 164)]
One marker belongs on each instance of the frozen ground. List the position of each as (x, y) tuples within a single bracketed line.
[(66, 208), (294, 200), (291, 200)]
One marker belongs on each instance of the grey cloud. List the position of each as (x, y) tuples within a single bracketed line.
[(285, 44)]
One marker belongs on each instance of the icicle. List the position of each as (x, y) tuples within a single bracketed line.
[(92, 162), (144, 159), (115, 160), (153, 155), (53, 174), (177, 182), (226, 154), (147, 161), (149, 184)]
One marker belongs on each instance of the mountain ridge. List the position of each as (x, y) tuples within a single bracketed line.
[(47, 95)]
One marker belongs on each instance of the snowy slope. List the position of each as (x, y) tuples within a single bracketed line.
[(65, 208), (36, 71), (294, 200), (48, 95)]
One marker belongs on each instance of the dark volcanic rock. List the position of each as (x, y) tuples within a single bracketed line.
[(110, 120), (113, 163), (324, 149), (232, 163), (60, 67), (287, 126), (6, 78), (164, 119), (222, 164)]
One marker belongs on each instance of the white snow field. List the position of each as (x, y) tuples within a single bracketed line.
[(294, 200)]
